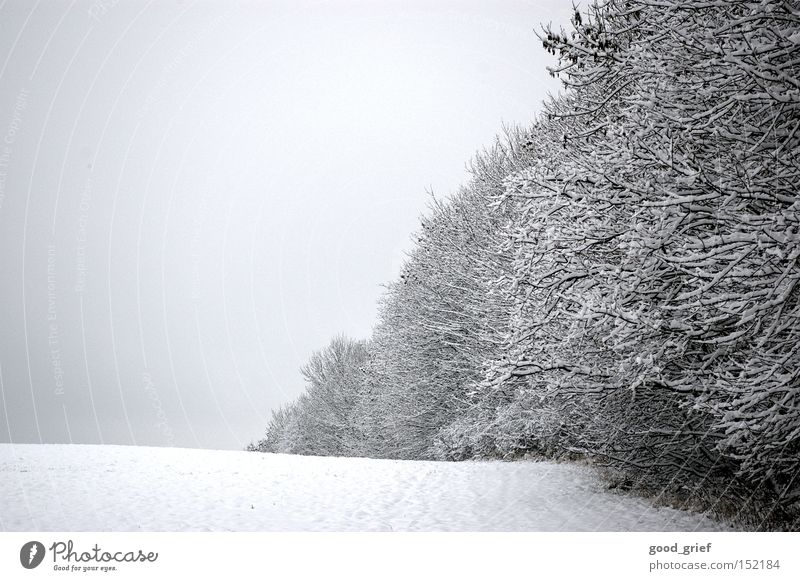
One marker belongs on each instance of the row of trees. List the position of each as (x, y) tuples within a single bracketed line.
[(618, 281), (322, 421)]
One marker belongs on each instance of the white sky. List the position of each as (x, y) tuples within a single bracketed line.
[(194, 196)]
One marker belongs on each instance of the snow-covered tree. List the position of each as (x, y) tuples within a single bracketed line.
[(320, 421), (656, 272)]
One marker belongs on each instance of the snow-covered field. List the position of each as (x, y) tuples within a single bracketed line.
[(120, 488)]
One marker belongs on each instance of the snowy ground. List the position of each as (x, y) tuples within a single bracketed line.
[(119, 488)]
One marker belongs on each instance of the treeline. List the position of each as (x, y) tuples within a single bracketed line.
[(618, 282)]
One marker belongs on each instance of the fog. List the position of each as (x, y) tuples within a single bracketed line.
[(195, 196)]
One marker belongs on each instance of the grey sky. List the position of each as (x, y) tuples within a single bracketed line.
[(194, 196)]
